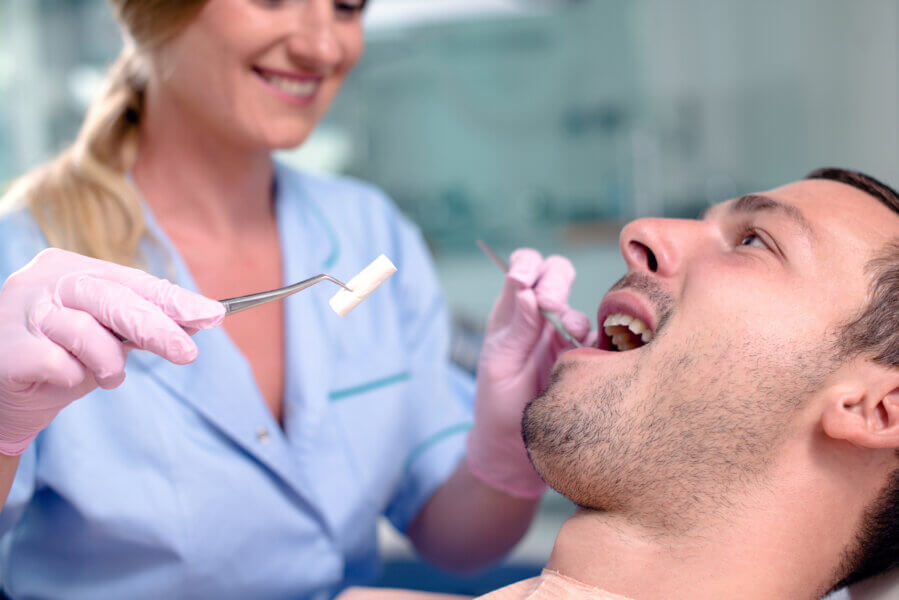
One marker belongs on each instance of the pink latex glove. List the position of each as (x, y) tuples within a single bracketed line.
[(57, 315), (519, 352)]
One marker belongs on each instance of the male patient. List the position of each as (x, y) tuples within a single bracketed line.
[(749, 450)]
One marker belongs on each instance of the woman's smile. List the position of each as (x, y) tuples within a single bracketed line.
[(294, 88)]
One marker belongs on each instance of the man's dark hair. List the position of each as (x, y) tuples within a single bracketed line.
[(874, 333)]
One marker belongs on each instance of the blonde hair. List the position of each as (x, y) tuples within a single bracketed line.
[(82, 200)]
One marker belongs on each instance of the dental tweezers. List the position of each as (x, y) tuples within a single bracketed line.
[(552, 318), (240, 303)]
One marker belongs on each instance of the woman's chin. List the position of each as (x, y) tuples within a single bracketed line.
[(287, 143), (283, 140)]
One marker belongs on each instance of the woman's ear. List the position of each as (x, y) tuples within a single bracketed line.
[(864, 409)]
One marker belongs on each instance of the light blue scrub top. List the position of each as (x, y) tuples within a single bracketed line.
[(180, 483)]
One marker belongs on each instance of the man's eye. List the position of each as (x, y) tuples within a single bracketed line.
[(751, 238)]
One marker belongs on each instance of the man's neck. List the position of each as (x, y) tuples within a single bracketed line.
[(610, 553), (781, 541)]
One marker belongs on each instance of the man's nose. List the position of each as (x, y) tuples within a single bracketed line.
[(660, 246), (314, 42)]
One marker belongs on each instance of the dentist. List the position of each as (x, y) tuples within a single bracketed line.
[(253, 459)]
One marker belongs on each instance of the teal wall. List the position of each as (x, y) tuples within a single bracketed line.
[(503, 124)]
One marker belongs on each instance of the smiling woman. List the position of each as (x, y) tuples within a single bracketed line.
[(192, 68)]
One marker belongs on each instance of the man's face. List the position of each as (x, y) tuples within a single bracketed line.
[(744, 306)]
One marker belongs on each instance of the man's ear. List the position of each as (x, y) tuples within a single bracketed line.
[(863, 408)]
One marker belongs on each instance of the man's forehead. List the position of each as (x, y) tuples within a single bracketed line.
[(816, 197), (822, 196)]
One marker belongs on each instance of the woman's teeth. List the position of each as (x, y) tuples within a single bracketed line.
[(627, 332), (292, 86)]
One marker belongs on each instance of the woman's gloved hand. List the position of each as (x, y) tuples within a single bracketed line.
[(519, 352), (57, 315)]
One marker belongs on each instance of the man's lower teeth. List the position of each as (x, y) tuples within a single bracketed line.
[(625, 338)]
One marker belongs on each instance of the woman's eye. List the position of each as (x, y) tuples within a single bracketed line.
[(349, 8), (753, 239), (342, 8)]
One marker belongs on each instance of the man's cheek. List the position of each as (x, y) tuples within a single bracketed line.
[(730, 319)]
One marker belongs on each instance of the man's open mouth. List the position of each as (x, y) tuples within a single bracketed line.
[(628, 322), (626, 332)]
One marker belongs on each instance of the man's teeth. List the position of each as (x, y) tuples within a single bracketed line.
[(617, 327), (292, 86)]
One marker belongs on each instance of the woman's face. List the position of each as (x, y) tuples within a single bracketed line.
[(258, 74)]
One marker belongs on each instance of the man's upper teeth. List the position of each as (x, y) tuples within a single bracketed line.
[(292, 86), (637, 326)]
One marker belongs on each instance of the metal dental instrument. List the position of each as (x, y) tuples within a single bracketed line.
[(240, 303), (552, 318), (235, 305)]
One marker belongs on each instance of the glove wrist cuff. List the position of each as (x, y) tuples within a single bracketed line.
[(15, 448)]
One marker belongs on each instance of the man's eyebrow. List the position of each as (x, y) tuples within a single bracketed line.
[(753, 203)]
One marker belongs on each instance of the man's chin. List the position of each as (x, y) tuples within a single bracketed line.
[(551, 439), (571, 427), (566, 480)]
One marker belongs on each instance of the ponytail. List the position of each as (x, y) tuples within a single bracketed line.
[(82, 200)]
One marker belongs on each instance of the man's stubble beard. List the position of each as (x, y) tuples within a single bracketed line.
[(666, 447)]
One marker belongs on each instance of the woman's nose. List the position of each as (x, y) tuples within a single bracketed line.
[(315, 42), (658, 246)]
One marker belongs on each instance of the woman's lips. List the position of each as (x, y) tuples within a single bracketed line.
[(294, 88)]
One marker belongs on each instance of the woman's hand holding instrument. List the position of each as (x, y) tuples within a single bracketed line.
[(520, 349), (60, 316)]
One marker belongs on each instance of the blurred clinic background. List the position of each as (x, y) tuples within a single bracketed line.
[(545, 123)]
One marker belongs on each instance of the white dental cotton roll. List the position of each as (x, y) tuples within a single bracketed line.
[(362, 285)]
